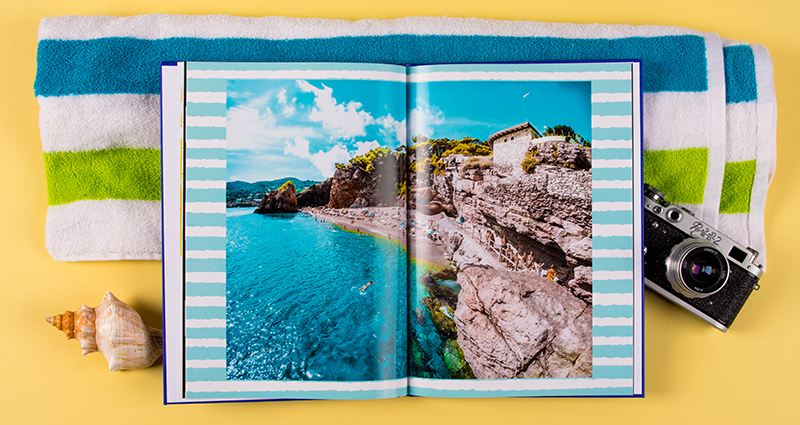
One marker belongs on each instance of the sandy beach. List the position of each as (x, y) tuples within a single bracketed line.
[(389, 222)]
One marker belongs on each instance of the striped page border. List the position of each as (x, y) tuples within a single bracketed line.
[(616, 190)]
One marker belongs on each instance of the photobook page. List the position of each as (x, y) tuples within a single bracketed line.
[(525, 276), (285, 256)]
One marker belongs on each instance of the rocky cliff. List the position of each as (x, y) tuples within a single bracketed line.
[(520, 325), (282, 200), (354, 186), (560, 153), (547, 212), (315, 196)]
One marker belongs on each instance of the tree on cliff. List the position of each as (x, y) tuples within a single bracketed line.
[(367, 161), (430, 152), (568, 133), (442, 148)]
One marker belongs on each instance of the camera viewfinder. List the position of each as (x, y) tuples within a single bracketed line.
[(737, 254)]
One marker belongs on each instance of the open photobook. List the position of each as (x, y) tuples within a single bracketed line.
[(351, 231)]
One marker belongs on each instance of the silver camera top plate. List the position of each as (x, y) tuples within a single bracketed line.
[(684, 220)]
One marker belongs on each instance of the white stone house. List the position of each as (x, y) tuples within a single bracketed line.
[(509, 146)]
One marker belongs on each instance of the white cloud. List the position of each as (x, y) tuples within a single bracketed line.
[(246, 125), (364, 147), (288, 107), (340, 120), (325, 161), (250, 128), (423, 118), (393, 129), (297, 148), (281, 97)]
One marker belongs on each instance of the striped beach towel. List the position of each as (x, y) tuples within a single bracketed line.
[(708, 106)]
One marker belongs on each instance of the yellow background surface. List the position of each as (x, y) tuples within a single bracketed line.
[(693, 372)]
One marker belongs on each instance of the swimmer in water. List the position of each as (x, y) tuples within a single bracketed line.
[(366, 286)]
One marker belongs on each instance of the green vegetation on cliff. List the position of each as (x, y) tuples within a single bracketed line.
[(569, 135), (530, 162), (368, 160), (429, 154), (287, 185)]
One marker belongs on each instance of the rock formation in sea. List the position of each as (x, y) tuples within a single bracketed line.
[(315, 196), (282, 200), (521, 325)]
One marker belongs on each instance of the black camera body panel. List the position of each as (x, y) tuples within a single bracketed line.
[(665, 227)]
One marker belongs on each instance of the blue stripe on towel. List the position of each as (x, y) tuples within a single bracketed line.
[(740, 74), (132, 65)]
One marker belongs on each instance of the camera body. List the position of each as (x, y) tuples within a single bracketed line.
[(694, 265)]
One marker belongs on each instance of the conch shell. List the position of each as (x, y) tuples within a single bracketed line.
[(115, 330)]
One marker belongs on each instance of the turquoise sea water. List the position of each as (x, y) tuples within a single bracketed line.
[(429, 350), (294, 309)]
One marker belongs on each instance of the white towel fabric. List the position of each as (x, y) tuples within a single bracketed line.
[(751, 116), (97, 86)]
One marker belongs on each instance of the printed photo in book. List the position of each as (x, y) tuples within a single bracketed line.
[(348, 231)]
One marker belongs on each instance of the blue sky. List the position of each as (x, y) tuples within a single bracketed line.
[(478, 109), (302, 128)]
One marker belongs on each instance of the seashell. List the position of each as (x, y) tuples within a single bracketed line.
[(115, 330)]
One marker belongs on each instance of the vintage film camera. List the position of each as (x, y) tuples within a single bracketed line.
[(694, 265)]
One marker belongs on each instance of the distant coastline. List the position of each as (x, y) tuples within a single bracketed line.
[(240, 194)]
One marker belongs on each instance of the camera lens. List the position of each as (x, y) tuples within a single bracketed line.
[(696, 268)]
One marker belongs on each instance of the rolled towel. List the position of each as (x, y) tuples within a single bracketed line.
[(751, 114), (97, 84)]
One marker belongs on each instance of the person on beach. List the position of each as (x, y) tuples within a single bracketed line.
[(366, 286), (551, 273)]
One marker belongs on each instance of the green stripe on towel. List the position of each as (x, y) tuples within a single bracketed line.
[(125, 173), (680, 174), (737, 186)]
